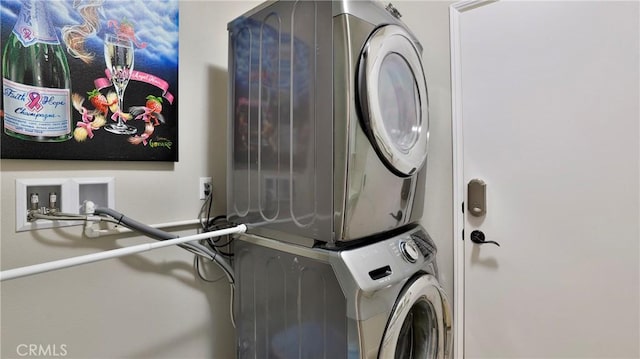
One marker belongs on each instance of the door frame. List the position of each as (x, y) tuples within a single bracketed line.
[(459, 187)]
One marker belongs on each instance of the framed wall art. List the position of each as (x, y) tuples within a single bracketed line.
[(89, 79)]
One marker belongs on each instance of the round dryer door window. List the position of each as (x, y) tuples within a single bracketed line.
[(393, 99), (420, 324)]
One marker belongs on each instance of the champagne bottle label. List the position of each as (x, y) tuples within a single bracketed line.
[(29, 30), (36, 111)]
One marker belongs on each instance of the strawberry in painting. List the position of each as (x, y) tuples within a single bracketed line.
[(99, 101), (126, 29)]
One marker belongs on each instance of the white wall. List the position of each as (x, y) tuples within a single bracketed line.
[(147, 305), (429, 20), (152, 305)]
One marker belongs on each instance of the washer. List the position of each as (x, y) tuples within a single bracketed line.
[(382, 300), (328, 130)]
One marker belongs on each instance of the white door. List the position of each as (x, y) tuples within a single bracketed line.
[(546, 113)]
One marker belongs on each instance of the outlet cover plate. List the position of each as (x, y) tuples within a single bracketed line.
[(203, 181)]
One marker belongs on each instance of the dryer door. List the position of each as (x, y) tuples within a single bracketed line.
[(392, 94), (420, 323)]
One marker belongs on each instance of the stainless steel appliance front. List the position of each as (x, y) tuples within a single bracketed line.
[(328, 121), (382, 300)]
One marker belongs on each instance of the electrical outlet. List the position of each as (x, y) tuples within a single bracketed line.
[(205, 187)]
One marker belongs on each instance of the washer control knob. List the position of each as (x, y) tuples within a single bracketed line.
[(409, 250)]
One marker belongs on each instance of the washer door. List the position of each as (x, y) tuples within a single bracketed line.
[(392, 94), (420, 323)]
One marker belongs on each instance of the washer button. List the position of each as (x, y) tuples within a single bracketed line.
[(409, 250)]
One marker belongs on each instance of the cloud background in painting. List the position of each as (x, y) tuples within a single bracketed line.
[(155, 23)]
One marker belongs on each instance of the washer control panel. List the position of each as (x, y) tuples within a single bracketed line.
[(380, 264)]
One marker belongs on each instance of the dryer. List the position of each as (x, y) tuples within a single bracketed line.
[(382, 300), (328, 129)]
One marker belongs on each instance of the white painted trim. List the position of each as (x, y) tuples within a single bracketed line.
[(458, 181)]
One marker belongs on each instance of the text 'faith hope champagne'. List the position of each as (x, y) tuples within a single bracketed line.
[(35, 78)]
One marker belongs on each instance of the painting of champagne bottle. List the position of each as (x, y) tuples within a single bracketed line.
[(36, 79), (64, 68)]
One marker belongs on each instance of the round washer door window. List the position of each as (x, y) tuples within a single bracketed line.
[(420, 325), (393, 99)]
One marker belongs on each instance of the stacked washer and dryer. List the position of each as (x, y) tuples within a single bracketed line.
[(328, 138)]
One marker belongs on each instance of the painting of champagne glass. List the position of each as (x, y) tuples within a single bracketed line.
[(89, 79)]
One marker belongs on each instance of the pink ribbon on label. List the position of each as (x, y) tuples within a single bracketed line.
[(104, 82), (34, 102), (26, 33)]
